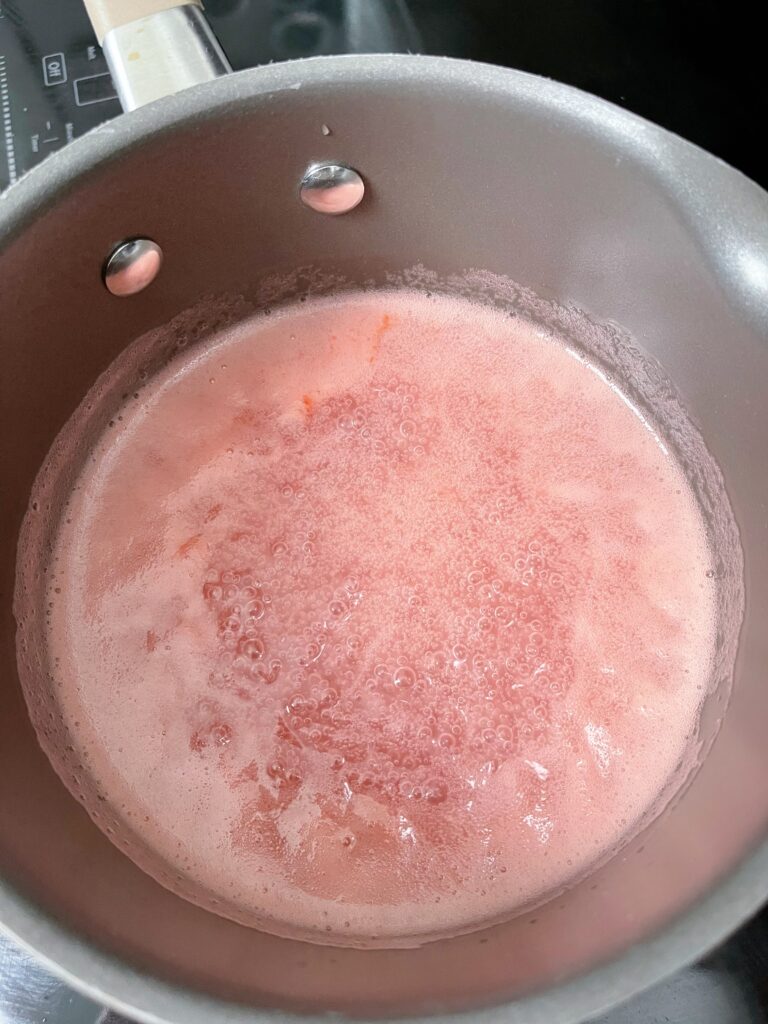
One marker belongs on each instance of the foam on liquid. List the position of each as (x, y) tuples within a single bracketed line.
[(378, 618)]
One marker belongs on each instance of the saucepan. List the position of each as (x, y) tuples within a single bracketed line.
[(423, 162)]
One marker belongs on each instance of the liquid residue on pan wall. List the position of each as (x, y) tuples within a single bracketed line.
[(381, 616)]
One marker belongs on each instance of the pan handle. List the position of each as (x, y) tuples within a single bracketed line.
[(155, 47)]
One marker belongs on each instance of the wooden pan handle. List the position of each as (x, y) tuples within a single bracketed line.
[(108, 14), (155, 48)]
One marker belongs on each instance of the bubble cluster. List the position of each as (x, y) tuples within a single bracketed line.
[(409, 668), (239, 604), (210, 730), (426, 725), (387, 421)]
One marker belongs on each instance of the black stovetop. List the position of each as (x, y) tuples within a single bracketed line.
[(690, 65)]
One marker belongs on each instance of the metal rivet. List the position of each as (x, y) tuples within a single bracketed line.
[(331, 188), (132, 266)]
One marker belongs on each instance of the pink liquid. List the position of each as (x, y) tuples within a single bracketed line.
[(379, 618)]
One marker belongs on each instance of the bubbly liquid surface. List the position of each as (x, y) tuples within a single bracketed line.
[(379, 617)]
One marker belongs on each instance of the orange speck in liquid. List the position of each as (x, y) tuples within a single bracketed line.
[(378, 335), (187, 546)]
